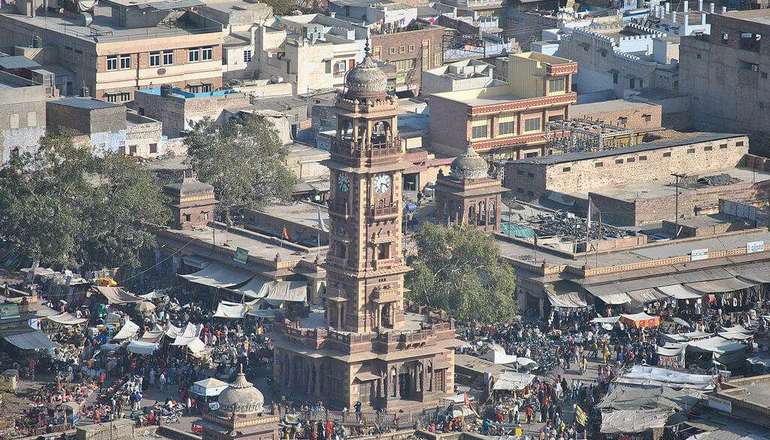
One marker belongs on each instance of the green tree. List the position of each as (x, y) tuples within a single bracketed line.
[(458, 269), (65, 208), (243, 159)]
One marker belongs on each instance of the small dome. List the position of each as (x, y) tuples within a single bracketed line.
[(469, 165), (241, 397), (366, 80)]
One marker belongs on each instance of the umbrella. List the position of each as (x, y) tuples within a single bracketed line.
[(146, 307)]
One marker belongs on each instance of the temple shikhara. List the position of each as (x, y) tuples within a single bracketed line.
[(365, 348)]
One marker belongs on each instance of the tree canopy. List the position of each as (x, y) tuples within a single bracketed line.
[(66, 208), (243, 159), (457, 269)]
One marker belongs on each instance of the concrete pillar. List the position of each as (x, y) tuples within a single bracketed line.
[(724, 9), (703, 19), (668, 7), (686, 6), (711, 7), (700, 5), (686, 24), (673, 16)]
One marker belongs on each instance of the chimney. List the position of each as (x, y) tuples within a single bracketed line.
[(686, 6), (711, 7), (703, 19), (724, 9)]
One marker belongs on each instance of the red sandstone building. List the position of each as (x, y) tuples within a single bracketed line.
[(365, 348), (505, 121)]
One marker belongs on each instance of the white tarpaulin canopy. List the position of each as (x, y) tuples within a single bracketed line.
[(654, 376), (720, 286), (117, 295), (30, 339), (67, 319), (289, 291), (717, 344), (685, 337), (142, 348), (607, 320), (567, 300), (129, 330), (678, 291), (512, 381), (219, 276), (758, 273), (255, 288), (632, 421), (190, 333), (231, 311), (497, 355), (208, 387), (197, 348)]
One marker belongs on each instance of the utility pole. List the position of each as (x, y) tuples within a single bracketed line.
[(678, 177)]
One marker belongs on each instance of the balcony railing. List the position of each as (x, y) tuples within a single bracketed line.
[(386, 211), (357, 150)]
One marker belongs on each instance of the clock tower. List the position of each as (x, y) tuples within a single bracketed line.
[(367, 349), (365, 264)]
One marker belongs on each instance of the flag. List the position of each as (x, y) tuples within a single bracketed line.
[(580, 416), (285, 234)]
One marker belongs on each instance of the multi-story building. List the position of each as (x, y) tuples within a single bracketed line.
[(398, 38), (129, 45), (727, 75), (460, 75), (509, 120), (365, 349), (22, 115)]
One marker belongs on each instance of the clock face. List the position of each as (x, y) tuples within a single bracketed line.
[(382, 183), (343, 182)]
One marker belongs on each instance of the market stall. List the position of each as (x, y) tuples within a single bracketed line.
[(640, 320)]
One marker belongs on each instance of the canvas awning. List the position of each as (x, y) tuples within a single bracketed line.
[(633, 421), (684, 337), (671, 350), (209, 387), (678, 291), (720, 286), (142, 348), (758, 272), (230, 311), (615, 298), (30, 339), (512, 381), (288, 291), (644, 296), (263, 313), (67, 319), (153, 336), (655, 376), (608, 320), (567, 300), (365, 376), (640, 320), (716, 344), (219, 276), (197, 348), (117, 295), (189, 334), (255, 288), (129, 330)]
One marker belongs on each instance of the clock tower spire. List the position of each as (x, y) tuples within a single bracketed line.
[(365, 264)]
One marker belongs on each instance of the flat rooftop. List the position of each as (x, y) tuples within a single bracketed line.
[(614, 105), (85, 103), (303, 213), (752, 390), (754, 15), (179, 93), (654, 251), (647, 146), (102, 29), (484, 96)]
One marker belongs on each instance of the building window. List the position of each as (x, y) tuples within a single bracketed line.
[(112, 62), (690, 150), (598, 164), (392, 50), (14, 122), (247, 56), (566, 169), (618, 161), (187, 217), (632, 83), (764, 75), (193, 55), (437, 59), (402, 49), (206, 87), (708, 148), (506, 125), (630, 159), (641, 158), (132, 150), (411, 48), (153, 148), (168, 57), (118, 97), (340, 67), (383, 251), (532, 124), (722, 146), (556, 85), (528, 155), (615, 77), (125, 61), (554, 118), (404, 65), (479, 131), (154, 58), (622, 121), (647, 118), (667, 154), (739, 144), (207, 53)]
